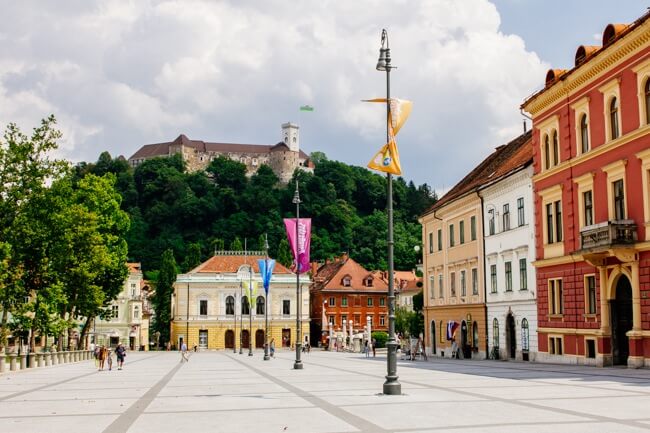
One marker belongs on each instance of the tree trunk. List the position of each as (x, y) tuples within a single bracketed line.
[(3, 328), (84, 331)]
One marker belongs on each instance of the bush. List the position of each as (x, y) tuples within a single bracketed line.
[(380, 338)]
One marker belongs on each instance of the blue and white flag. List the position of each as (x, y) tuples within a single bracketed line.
[(266, 270)]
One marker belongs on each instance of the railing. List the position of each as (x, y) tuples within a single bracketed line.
[(607, 234)]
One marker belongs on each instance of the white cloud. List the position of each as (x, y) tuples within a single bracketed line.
[(121, 74)]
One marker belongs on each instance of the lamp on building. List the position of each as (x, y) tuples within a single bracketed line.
[(392, 385)]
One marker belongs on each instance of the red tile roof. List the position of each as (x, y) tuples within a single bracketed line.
[(232, 263), (504, 160), (330, 277)]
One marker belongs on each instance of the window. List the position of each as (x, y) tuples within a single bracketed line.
[(588, 203), (555, 345), (382, 301), (430, 243), (472, 228), (344, 319), (368, 282), (382, 320), (495, 333), (555, 302), (549, 223), (245, 306), (461, 231), (230, 306), (491, 221), (332, 318), (523, 275), (439, 239), (203, 307), (619, 200), (432, 287), (556, 149), (259, 307), (452, 282), (115, 310), (493, 278), (590, 351), (451, 235), (520, 212), (590, 294), (508, 267), (474, 281), (344, 301), (346, 281), (584, 134), (547, 153), (286, 308), (332, 301), (554, 222), (463, 284), (441, 287), (613, 119), (506, 217), (369, 301), (136, 312), (646, 91)]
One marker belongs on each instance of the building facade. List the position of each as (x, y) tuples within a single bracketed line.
[(509, 255), (218, 314), (129, 323), (344, 294), (284, 157), (591, 185)]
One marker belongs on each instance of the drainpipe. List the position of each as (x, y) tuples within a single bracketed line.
[(487, 339)]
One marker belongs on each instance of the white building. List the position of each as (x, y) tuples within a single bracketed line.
[(509, 226)]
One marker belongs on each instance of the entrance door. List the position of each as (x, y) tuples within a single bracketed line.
[(203, 339), (114, 341), (511, 336), (467, 351), (259, 339), (230, 339), (433, 337), (131, 343), (621, 312), (245, 339), (286, 337)]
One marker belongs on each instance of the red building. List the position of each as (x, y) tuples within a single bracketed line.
[(343, 291), (591, 138)]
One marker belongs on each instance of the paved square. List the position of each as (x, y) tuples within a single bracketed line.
[(336, 392)]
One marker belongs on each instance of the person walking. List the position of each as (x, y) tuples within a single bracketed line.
[(109, 359), (272, 347), (101, 357), (374, 347), (366, 350), (120, 352), (184, 352)]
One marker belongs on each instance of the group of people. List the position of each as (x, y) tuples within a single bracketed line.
[(104, 356), (368, 346)]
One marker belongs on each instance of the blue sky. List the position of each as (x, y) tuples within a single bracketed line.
[(119, 74)]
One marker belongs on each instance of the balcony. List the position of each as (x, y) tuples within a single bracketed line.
[(608, 234)]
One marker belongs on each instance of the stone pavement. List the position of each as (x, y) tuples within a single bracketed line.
[(336, 392)]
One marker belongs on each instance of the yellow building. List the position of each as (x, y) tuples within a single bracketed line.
[(218, 315)]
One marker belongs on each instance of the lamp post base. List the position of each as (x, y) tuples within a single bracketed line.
[(392, 386), (240, 351), (297, 365), (250, 353), (266, 357)]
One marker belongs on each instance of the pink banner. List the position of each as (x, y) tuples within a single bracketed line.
[(303, 242)]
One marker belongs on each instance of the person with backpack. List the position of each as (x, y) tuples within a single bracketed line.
[(120, 351)]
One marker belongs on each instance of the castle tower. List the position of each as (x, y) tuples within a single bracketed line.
[(291, 136)]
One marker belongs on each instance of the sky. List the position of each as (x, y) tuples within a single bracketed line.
[(121, 74)]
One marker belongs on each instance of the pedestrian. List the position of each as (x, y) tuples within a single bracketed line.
[(96, 355), (101, 357), (120, 352), (365, 349), (374, 345), (272, 347), (109, 359), (184, 352)]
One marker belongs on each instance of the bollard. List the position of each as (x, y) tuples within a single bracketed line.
[(55, 357), (48, 359), (12, 361), (31, 360), (61, 357), (23, 361), (40, 360), (2, 361), (75, 355)]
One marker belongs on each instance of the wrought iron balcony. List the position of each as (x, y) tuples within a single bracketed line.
[(608, 234)]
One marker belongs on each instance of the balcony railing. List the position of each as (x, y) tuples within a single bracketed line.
[(608, 234)]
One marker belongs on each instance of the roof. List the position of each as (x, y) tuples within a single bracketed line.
[(162, 149), (232, 263), (330, 277), (504, 160), (134, 267)]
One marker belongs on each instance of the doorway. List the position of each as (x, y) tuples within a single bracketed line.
[(286, 337), (511, 336), (621, 314), (114, 341), (230, 339), (245, 338), (131, 343), (433, 337), (259, 339), (467, 351), (203, 339)]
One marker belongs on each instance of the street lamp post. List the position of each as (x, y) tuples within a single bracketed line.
[(250, 308), (266, 306), (297, 365), (241, 315), (234, 313), (392, 385)]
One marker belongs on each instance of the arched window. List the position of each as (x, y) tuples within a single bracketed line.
[(495, 333), (584, 134), (260, 305), (556, 149), (230, 306), (524, 335), (613, 118), (245, 306), (647, 100), (547, 153)]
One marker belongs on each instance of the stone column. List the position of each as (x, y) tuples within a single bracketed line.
[(48, 359), (40, 359), (60, 356), (55, 357), (32, 359), (12, 361), (604, 302), (2, 361), (23, 361)]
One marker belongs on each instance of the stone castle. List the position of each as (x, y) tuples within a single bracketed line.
[(283, 157)]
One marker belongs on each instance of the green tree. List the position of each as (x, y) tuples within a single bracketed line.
[(236, 245), (284, 255), (193, 258), (163, 294)]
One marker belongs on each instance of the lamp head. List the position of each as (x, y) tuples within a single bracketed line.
[(383, 64)]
